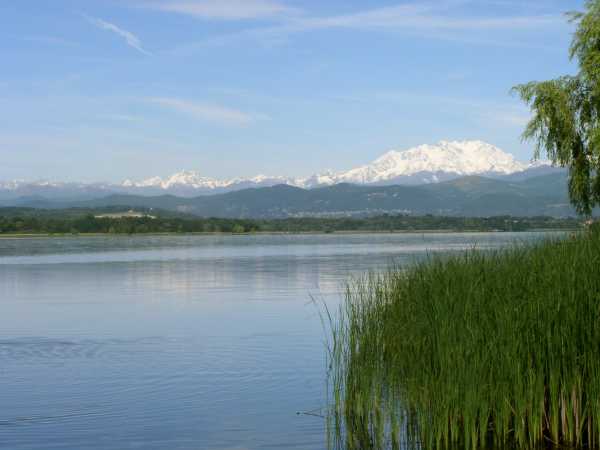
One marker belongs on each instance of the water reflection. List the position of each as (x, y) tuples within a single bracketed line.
[(187, 342)]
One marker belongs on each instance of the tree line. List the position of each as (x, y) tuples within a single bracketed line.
[(69, 222)]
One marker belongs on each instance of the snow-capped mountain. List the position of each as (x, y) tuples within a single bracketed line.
[(186, 178), (419, 165), (190, 182), (54, 190), (192, 179), (427, 163)]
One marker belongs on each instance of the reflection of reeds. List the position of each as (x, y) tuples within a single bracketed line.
[(484, 349)]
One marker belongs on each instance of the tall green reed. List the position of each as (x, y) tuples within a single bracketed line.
[(485, 349)]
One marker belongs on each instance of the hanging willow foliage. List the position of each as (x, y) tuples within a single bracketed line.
[(566, 113)]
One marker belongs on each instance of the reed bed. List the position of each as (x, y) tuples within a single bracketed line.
[(483, 350)]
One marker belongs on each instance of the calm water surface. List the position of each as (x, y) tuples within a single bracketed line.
[(186, 342)]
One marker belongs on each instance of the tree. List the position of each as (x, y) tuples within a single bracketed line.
[(238, 229), (566, 113)]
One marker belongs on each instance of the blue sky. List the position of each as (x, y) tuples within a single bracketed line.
[(102, 90)]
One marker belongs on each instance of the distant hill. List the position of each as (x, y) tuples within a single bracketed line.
[(419, 165), (467, 196)]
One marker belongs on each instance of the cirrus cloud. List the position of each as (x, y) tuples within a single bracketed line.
[(131, 39), (208, 111), (224, 9)]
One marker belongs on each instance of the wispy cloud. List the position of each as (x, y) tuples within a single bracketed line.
[(511, 118), (224, 9), (427, 16), (208, 111), (444, 19), (500, 113), (131, 39)]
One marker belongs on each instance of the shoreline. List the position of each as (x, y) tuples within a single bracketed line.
[(276, 233)]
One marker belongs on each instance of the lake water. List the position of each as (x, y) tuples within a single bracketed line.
[(179, 342)]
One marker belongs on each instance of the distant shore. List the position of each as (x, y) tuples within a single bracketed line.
[(22, 222), (277, 233)]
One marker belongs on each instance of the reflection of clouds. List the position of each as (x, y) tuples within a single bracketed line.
[(271, 278), (208, 342), (263, 278), (105, 249), (221, 268)]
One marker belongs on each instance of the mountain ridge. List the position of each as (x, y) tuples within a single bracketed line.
[(471, 196), (424, 164)]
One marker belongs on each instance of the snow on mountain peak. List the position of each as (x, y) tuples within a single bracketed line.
[(428, 163), (456, 158), (185, 178), (424, 163), (459, 157), (189, 178)]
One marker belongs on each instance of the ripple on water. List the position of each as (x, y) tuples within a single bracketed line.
[(188, 389), (172, 381), (31, 348)]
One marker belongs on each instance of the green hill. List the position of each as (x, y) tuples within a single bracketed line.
[(468, 196)]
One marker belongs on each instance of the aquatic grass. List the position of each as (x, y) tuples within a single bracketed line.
[(485, 349)]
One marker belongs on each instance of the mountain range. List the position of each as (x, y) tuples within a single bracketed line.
[(424, 164), (462, 178), (467, 196)]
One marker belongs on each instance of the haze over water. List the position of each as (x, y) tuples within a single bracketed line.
[(179, 342)]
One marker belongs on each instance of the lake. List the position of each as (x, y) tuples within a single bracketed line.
[(180, 342)]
